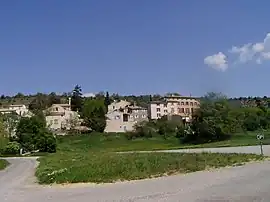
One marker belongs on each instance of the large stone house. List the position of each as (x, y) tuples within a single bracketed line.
[(60, 117), (122, 116), (174, 105)]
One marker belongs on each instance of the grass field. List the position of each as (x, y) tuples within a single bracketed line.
[(92, 158), (117, 142), (102, 167), (3, 164)]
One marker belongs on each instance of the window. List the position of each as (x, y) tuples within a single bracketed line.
[(191, 103), (182, 103), (56, 109), (179, 110), (131, 116), (136, 116), (117, 117), (187, 103), (143, 115), (51, 122), (182, 110), (195, 103), (187, 110), (165, 105), (157, 104), (158, 115), (165, 111), (158, 109), (172, 110), (125, 117), (192, 110), (55, 121)]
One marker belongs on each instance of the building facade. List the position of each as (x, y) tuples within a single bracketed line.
[(60, 117), (21, 110), (174, 105), (122, 116)]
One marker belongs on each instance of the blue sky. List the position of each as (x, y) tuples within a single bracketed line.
[(135, 47)]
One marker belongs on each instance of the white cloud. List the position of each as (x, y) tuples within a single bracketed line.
[(256, 52), (244, 52), (217, 61), (258, 47), (88, 95)]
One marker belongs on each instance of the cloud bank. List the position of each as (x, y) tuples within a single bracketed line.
[(257, 52)]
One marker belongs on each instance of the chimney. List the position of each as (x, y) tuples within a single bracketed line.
[(69, 101)]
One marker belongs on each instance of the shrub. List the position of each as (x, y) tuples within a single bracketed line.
[(142, 129), (12, 148), (46, 142), (33, 135)]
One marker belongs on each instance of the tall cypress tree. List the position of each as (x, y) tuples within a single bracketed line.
[(76, 99), (107, 101)]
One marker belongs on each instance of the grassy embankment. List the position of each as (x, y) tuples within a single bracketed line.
[(91, 158)]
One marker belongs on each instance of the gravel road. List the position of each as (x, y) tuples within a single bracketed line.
[(247, 183)]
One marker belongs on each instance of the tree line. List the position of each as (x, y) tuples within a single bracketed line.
[(217, 119)]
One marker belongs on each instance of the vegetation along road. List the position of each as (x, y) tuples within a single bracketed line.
[(244, 183)]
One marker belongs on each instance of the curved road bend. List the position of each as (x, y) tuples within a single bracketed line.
[(247, 183)]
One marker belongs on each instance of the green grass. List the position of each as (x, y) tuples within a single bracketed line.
[(102, 167), (117, 142), (92, 158), (3, 164)]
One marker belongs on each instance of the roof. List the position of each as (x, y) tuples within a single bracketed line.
[(137, 107), (181, 97)]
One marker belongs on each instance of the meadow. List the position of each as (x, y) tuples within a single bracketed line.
[(93, 158)]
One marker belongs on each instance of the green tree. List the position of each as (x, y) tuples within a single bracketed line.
[(3, 131), (94, 114), (53, 99), (107, 101), (19, 95), (76, 99), (210, 122), (11, 121), (32, 134), (39, 103)]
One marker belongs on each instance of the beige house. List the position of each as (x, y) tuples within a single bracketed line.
[(122, 116), (174, 105), (20, 109), (60, 117)]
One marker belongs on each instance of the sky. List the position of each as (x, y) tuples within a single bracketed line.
[(135, 46)]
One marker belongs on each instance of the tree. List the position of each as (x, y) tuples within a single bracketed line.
[(3, 131), (76, 99), (19, 95), (11, 121), (94, 114), (32, 134), (39, 103), (107, 101), (53, 99), (210, 122)]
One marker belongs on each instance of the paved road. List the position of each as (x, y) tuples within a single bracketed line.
[(246, 149), (247, 183)]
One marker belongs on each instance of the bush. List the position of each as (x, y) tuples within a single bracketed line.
[(46, 142), (12, 148), (33, 135), (143, 129)]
